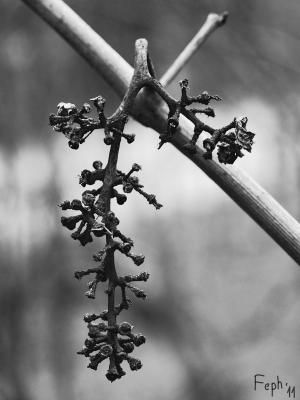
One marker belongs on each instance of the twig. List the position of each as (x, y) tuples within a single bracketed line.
[(254, 200), (213, 21)]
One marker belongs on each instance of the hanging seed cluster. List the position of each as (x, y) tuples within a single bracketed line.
[(107, 338)]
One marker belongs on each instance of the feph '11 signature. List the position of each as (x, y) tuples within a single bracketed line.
[(260, 383)]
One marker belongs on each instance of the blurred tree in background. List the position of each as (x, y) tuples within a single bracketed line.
[(223, 298)]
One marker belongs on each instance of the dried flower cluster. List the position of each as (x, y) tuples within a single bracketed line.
[(231, 139), (109, 339)]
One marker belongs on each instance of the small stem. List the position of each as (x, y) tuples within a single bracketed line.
[(111, 271), (117, 122), (213, 21)]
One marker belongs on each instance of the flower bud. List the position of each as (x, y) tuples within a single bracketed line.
[(139, 339), (99, 102), (112, 374), (127, 188), (86, 108), (89, 343), (88, 199), (90, 317), (86, 178), (73, 145), (136, 167), (65, 205), (70, 222), (104, 315), (84, 351), (134, 363), (108, 140), (93, 329), (209, 112), (125, 247), (184, 83), (138, 259), (128, 347), (130, 138), (121, 198), (125, 328), (97, 165), (76, 204), (226, 153), (106, 350), (66, 109)]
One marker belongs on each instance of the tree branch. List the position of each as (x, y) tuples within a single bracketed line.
[(213, 21), (253, 199)]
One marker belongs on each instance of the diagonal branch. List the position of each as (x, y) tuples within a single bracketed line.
[(213, 21), (252, 198)]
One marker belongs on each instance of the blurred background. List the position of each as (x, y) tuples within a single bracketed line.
[(223, 299)]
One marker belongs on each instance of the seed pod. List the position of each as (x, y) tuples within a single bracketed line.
[(128, 347), (125, 328), (106, 350)]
